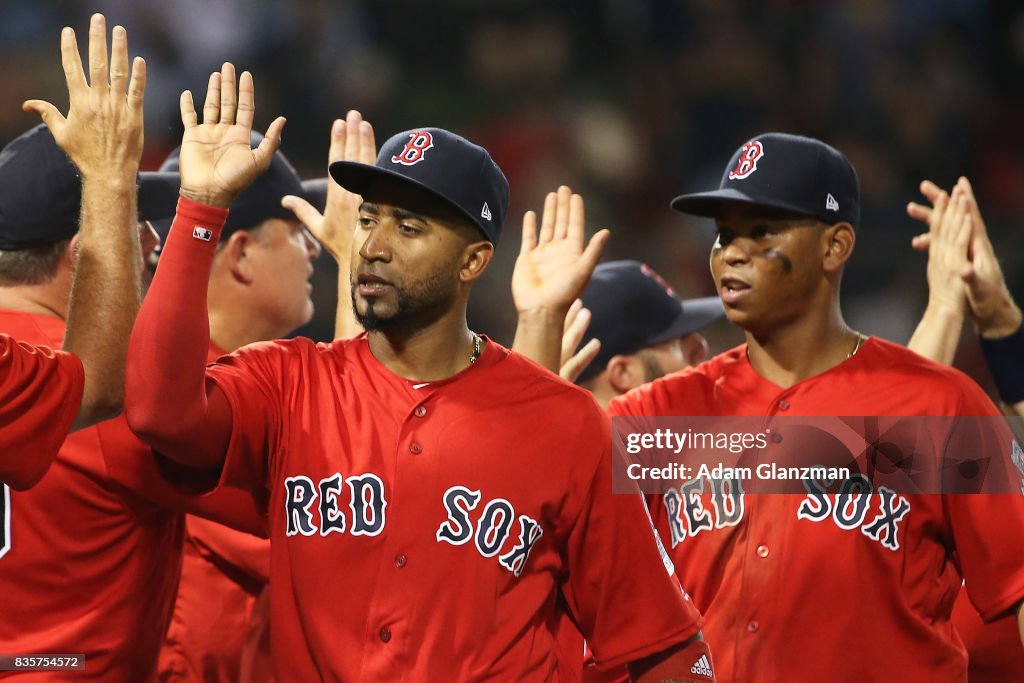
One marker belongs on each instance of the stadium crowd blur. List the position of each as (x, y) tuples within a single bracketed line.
[(630, 102)]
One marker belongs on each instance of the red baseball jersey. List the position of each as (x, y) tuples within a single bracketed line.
[(803, 588), (40, 393), (93, 551), (994, 651), (430, 531), (223, 571)]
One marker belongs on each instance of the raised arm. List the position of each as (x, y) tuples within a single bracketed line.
[(102, 134), (553, 268), (351, 140), (169, 404), (974, 267)]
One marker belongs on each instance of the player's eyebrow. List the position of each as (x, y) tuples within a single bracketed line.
[(406, 215), (367, 207)]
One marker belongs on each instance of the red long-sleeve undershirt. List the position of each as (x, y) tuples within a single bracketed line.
[(168, 402)]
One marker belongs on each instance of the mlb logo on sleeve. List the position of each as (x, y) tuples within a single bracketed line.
[(203, 234)]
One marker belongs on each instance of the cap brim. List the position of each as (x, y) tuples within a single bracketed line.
[(694, 315), (158, 195), (315, 192), (710, 203), (374, 183)]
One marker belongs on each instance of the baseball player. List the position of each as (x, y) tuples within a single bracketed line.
[(645, 330), (91, 555), (423, 526), (258, 289), (45, 393), (964, 278), (804, 589)]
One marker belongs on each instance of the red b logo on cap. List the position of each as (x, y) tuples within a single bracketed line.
[(749, 155), (419, 142)]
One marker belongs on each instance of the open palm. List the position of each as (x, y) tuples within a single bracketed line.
[(217, 159)]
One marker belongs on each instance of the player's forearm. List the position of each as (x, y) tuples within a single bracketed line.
[(938, 334), (105, 294), (1020, 621), (539, 337), (166, 394)]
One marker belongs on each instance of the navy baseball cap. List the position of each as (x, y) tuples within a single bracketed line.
[(41, 192), (258, 202), (633, 308), (440, 163), (787, 172)]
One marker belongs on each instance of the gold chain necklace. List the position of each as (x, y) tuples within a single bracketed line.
[(478, 348), (856, 347)]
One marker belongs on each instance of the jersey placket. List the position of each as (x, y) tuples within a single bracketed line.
[(761, 554), (390, 625)]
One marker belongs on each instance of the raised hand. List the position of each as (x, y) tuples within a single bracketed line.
[(577, 320), (553, 267), (217, 160), (989, 301), (949, 233), (351, 140), (102, 132)]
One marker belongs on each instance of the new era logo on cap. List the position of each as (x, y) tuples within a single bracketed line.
[(486, 211), (203, 234), (830, 203)]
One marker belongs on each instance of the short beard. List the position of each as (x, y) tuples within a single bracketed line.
[(417, 306), (653, 369)]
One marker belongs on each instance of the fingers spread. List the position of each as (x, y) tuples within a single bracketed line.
[(119, 60), (529, 232), (98, 53), (246, 100), (72, 63), (50, 115), (211, 108), (228, 97), (188, 110), (271, 141), (137, 86)]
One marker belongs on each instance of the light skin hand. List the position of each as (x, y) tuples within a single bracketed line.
[(552, 270), (102, 132), (351, 140), (990, 303), (577, 320), (553, 266), (217, 161)]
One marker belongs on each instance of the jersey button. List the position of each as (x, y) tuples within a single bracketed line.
[(415, 448), (420, 411), (762, 551), (400, 561), (385, 634), (783, 404), (753, 626)]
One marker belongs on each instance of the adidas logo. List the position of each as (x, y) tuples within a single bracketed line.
[(830, 203), (486, 211), (202, 234), (702, 667)]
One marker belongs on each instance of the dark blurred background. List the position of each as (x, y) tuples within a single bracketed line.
[(629, 102)]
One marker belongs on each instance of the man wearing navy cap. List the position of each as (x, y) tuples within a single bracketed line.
[(427, 520), (646, 331), (809, 587), (51, 271)]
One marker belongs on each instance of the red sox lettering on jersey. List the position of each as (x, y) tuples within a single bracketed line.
[(419, 142), (849, 509), (779, 562), (368, 504)]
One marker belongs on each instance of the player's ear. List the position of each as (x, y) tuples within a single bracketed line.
[(237, 255), (838, 241), (476, 256), (71, 253), (622, 373)]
